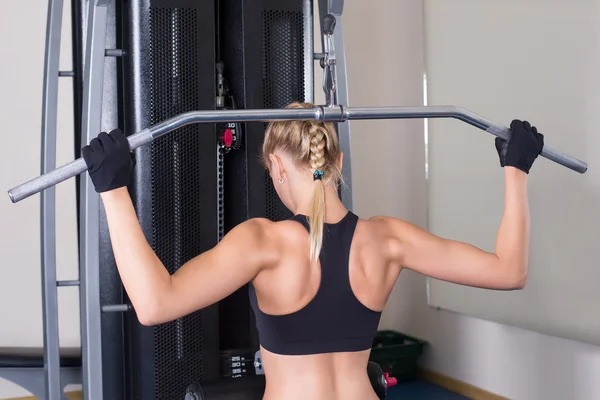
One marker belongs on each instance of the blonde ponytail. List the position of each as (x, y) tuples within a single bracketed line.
[(316, 217)]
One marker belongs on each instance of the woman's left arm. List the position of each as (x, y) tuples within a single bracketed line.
[(156, 295)]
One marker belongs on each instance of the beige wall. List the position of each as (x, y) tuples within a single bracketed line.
[(556, 90), (22, 36), (535, 59)]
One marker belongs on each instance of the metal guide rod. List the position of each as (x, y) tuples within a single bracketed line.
[(89, 264), (318, 113), (329, 59), (52, 377)]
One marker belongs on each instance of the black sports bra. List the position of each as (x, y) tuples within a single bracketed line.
[(334, 320)]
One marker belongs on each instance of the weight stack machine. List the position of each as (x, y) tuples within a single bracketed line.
[(191, 187)]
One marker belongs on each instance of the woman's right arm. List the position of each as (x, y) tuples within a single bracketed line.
[(458, 262)]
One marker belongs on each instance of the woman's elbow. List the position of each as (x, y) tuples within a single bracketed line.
[(518, 282), (151, 313), (147, 319)]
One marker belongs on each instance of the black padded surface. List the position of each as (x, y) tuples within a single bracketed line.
[(249, 388), (33, 357)]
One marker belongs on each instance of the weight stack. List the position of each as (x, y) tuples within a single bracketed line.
[(169, 69), (237, 364)]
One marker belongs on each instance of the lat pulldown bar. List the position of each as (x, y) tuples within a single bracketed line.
[(319, 113)]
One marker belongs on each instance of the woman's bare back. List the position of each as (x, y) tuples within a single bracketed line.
[(293, 284)]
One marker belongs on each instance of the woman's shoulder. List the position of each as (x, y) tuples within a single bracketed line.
[(378, 224), (275, 232), (373, 229), (384, 223), (381, 233)]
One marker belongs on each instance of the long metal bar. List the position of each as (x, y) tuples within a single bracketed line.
[(318, 113), (89, 268), (52, 384)]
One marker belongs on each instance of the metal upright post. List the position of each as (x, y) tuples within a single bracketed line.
[(309, 50), (91, 340), (335, 8), (53, 387)]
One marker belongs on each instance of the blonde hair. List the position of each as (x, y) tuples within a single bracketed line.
[(311, 144)]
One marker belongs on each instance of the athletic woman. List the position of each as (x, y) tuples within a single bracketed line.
[(320, 280)]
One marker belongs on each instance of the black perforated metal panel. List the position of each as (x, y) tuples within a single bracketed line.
[(283, 78), (283, 62), (179, 177)]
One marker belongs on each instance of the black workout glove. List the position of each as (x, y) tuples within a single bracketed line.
[(522, 147), (109, 161)]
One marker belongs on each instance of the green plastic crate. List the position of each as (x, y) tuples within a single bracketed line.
[(397, 354)]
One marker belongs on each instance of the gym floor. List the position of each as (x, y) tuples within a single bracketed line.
[(422, 391)]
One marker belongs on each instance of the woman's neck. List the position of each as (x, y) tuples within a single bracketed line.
[(334, 208)]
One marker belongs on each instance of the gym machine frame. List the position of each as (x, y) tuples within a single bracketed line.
[(335, 110)]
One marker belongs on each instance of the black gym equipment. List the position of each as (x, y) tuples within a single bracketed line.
[(250, 389), (175, 189)]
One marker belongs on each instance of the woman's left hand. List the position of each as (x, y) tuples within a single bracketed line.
[(110, 162)]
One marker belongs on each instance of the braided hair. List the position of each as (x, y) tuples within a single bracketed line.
[(314, 145)]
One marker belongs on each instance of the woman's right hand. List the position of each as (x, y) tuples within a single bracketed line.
[(522, 148)]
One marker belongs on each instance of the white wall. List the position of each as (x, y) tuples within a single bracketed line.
[(22, 36)]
